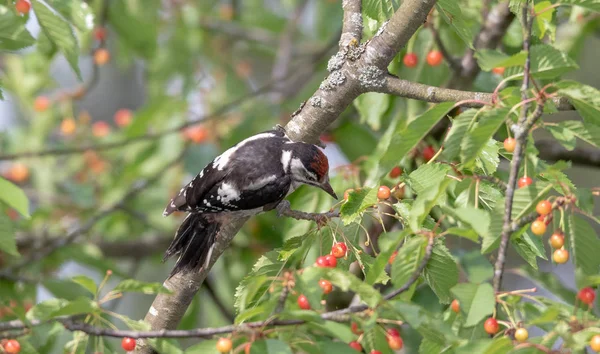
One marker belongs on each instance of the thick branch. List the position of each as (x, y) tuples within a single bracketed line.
[(353, 23)]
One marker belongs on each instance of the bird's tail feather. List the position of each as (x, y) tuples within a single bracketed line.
[(193, 243)]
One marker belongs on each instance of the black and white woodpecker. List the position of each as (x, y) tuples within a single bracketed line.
[(251, 177)]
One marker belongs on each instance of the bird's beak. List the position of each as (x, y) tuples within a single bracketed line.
[(327, 188)]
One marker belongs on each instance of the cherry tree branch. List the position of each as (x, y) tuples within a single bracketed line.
[(353, 23)]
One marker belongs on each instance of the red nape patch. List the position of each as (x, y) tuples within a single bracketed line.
[(320, 164)]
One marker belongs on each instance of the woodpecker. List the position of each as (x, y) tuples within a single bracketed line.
[(251, 177)]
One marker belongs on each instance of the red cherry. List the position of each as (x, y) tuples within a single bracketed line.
[(23, 7), (322, 262), (393, 332), (434, 58), (303, 302), (557, 240), (510, 144), (595, 343), (123, 117), (524, 181), (12, 346), (455, 305), (560, 256), (128, 344), (356, 346), (410, 60), (375, 351), (331, 261), (395, 172), (392, 257), (395, 343), (384, 192), (100, 33), (338, 250), (326, 286), (354, 328), (544, 207), (428, 153), (499, 70), (587, 296), (538, 227), (491, 326)]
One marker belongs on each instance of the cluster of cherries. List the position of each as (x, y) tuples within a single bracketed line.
[(434, 58), (392, 335)]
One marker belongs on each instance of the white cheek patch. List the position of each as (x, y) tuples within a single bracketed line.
[(286, 159), (222, 160)]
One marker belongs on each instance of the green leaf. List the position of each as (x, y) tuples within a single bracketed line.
[(489, 59), (593, 5), (132, 285), (544, 19), (525, 251), (44, 310), (587, 132), (477, 267), (452, 14), (164, 346), (207, 346), (13, 34), (477, 219), (425, 202), (86, 282), (348, 281), (406, 263), (479, 135), (59, 32), (491, 241), (441, 272), (65, 289), (427, 176), (127, 18), (525, 199), (379, 10), (82, 305), (460, 126), (372, 107), (270, 346), (358, 201), (586, 99), (565, 136), (78, 12), (547, 62), (584, 245), (405, 139), (377, 270), (266, 266), (430, 327), (14, 197), (7, 235), (476, 301)]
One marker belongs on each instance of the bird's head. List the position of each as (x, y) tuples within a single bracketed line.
[(309, 165)]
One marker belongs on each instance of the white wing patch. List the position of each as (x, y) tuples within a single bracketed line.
[(228, 193), (261, 183), (221, 161)]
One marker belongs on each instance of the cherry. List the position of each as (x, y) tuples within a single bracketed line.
[(322, 262), (499, 70), (395, 172), (303, 302), (561, 256), (224, 345), (595, 343), (557, 240), (491, 326), (375, 351), (428, 153), (68, 126), (455, 305), (509, 144), (12, 346), (18, 173), (123, 117), (410, 60), (395, 342), (521, 335), (100, 129), (347, 193), (434, 58), (41, 104), (128, 344), (398, 192), (538, 227), (23, 7), (393, 332), (331, 261), (326, 286), (247, 348), (354, 328), (100, 33), (544, 207), (587, 296), (524, 181), (384, 192), (101, 56), (338, 250), (392, 257), (196, 134), (356, 346)]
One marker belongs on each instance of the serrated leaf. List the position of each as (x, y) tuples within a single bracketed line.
[(250, 286), (372, 106), (82, 305), (452, 14), (78, 12), (479, 135), (489, 59), (526, 198), (441, 272), (586, 99), (476, 301), (427, 176), (14, 197), (489, 159), (45, 309), (13, 34), (587, 132), (7, 235), (584, 245), (379, 10), (136, 286), (405, 139), (491, 241), (460, 125), (425, 202), (430, 327), (406, 263), (59, 32), (207, 346), (543, 19), (348, 281), (525, 251), (477, 267), (86, 282), (477, 219), (547, 62), (377, 269), (358, 201), (565, 136)]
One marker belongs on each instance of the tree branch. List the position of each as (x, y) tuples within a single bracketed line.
[(353, 23)]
